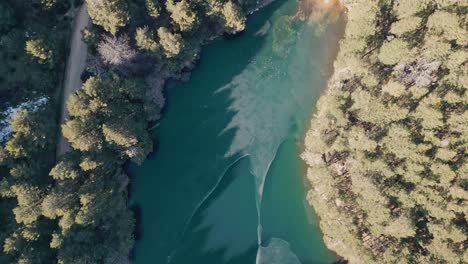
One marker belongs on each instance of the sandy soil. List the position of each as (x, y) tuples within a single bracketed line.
[(321, 11), (75, 66)]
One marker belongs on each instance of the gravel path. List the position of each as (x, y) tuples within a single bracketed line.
[(75, 66)]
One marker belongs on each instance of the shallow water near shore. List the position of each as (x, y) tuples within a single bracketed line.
[(225, 184)]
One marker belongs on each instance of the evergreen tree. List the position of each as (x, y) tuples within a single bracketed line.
[(110, 14), (172, 43), (386, 149), (182, 14), (40, 50)]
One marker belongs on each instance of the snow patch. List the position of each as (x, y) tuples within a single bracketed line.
[(7, 115)]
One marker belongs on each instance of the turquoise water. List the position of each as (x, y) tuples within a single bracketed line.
[(225, 184)]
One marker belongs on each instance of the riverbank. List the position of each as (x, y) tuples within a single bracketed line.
[(332, 18), (157, 83), (384, 151), (338, 229), (132, 50), (212, 195)]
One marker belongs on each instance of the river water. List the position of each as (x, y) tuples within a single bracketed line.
[(225, 184)]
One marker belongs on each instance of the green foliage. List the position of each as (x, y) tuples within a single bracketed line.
[(361, 25), (31, 63), (172, 43), (234, 16), (53, 4), (77, 211), (32, 133), (182, 14), (29, 198), (447, 26), (111, 15), (393, 88), (66, 168), (373, 110), (435, 48), (406, 25), (97, 106), (94, 222), (91, 37), (404, 9), (25, 159), (387, 152), (40, 50), (83, 134), (145, 39), (153, 8), (395, 51), (32, 34)]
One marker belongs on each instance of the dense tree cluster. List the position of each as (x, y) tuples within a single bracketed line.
[(39, 49), (32, 38), (31, 67), (75, 211), (78, 212), (88, 196), (136, 44), (24, 180), (387, 149), (110, 14), (171, 29), (108, 113)]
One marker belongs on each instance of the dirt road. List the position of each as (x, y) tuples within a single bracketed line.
[(76, 64)]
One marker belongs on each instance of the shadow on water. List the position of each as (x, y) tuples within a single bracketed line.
[(233, 125), (190, 158), (285, 213), (224, 226)]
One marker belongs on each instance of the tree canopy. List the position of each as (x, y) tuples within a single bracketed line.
[(74, 208), (386, 152), (109, 112), (110, 14)]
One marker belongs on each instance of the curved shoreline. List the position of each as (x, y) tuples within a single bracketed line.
[(384, 152)]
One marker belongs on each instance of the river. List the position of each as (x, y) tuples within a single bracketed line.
[(225, 184)]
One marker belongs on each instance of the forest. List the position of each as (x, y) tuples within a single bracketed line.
[(386, 151), (74, 209), (33, 47)]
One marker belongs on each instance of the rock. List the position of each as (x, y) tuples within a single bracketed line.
[(419, 73)]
